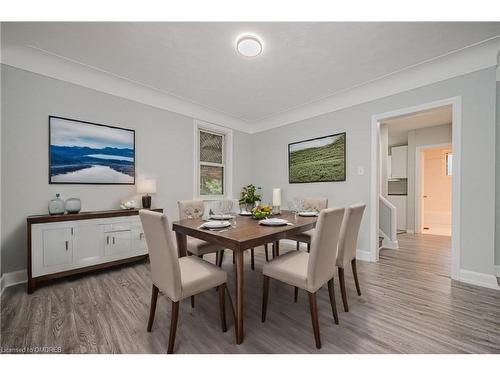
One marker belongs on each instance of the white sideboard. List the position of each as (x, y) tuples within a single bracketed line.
[(63, 245)]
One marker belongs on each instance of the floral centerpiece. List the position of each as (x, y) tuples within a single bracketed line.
[(249, 196)]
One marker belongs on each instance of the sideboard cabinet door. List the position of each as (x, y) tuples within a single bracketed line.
[(57, 246)]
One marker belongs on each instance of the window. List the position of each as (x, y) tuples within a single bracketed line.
[(211, 163), (449, 163)]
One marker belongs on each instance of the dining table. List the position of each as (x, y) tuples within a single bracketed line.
[(244, 233)]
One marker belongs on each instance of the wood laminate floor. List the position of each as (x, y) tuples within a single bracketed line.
[(409, 305)]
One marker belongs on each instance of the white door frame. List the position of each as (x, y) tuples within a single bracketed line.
[(418, 185), (456, 103)]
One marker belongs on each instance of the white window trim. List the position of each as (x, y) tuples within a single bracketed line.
[(227, 162)]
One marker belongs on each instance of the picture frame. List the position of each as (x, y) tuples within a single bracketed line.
[(321, 159), (89, 153)]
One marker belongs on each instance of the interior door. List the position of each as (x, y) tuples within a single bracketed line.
[(436, 197)]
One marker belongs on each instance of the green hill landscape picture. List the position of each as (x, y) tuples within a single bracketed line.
[(317, 160)]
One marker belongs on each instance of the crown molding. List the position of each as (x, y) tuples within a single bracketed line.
[(467, 60), (47, 64)]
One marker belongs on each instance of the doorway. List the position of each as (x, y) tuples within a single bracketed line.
[(377, 120), (435, 179)]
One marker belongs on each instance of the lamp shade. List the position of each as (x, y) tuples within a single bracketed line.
[(146, 186)]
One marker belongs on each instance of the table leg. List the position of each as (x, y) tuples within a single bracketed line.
[(239, 296), (277, 248), (181, 244)]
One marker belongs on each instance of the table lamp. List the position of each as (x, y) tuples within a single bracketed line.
[(146, 187)]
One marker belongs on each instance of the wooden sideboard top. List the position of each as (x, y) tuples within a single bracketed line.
[(34, 219)]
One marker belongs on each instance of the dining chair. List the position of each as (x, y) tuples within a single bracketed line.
[(194, 209), (310, 204), (310, 271), (177, 278), (347, 247)]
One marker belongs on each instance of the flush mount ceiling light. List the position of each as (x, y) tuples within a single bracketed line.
[(249, 45)]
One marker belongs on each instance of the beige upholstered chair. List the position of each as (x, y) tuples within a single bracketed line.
[(310, 204), (177, 278), (194, 209), (347, 247), (310, 271)]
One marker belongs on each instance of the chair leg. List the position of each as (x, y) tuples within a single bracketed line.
[(296, 294), (298, 245), (355, 273), (265, 296), (192, 302), (221, 258), (267, 252), (152, 309), (252, 259), (314, 318), (331, 292), (173, 326), (309, 247), (217, 257), (222, 307), (342, 289)]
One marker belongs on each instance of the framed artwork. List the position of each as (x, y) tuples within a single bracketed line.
[(82, 152), (317, 160)]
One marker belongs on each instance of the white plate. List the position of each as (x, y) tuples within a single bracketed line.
[(308, 213), (245, 213), (273, 222), (221, 217), (216, 224)]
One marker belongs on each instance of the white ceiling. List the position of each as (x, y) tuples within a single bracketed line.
[(301, 62), (399, 127)]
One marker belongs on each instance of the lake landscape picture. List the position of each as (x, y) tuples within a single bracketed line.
[(317, 160), (87, 153)]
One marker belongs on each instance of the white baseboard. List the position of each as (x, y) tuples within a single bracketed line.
[(410, 231), (13, 278), (497, 271), (479, 279), (363, 255)]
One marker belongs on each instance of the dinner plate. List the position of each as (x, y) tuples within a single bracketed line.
[(221, 217), (216, 224), (308, 213), (274, 222), (245, 213)]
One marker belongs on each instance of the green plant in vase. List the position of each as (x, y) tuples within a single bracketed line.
[(249, 196)]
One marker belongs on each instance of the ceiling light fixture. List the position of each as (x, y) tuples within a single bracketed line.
[(249, 45)]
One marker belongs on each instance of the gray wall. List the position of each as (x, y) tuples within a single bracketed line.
[(478, 91), (416, 138), (164, 149)]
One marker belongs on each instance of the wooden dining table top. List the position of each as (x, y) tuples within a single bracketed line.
[(247, 232)]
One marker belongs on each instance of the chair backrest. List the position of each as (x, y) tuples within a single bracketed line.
[(321, 266), (163, 257), (348, 240), (191, 209), (317, 204)]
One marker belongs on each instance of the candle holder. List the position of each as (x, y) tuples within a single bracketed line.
[(276, 210)]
